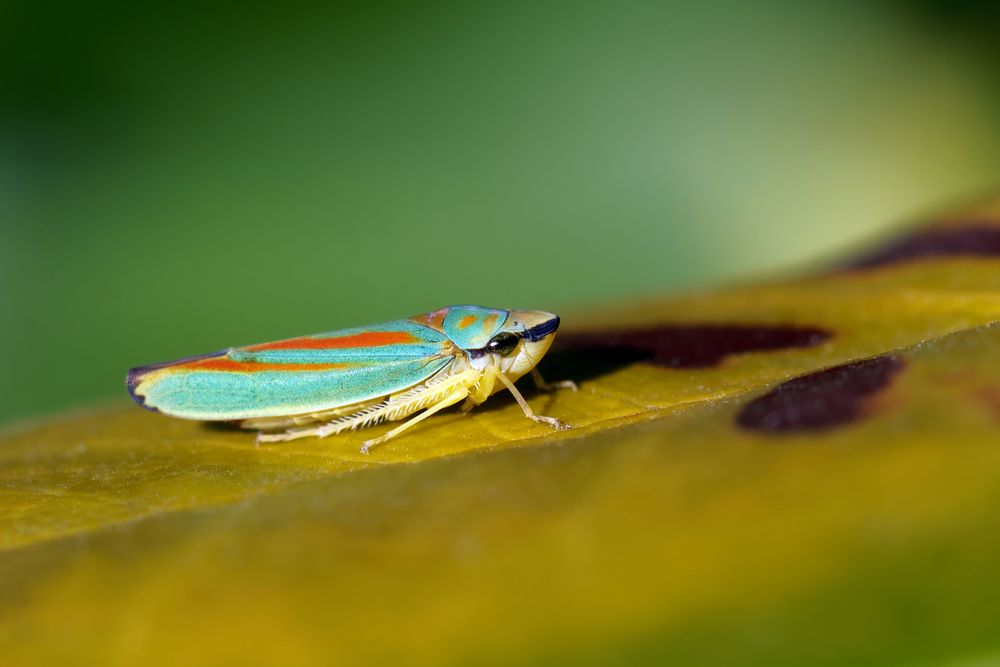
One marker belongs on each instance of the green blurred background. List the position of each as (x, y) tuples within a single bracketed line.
[(176, 180)]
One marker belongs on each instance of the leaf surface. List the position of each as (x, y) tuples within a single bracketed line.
[(798, 472)]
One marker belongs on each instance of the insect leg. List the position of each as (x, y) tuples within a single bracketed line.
[(450, 399), (397, 406), (528, 412), (550, 386)]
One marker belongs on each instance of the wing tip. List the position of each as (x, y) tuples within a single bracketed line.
[(135, 375), (132, 380)]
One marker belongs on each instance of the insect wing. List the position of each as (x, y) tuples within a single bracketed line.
[(295, 376)]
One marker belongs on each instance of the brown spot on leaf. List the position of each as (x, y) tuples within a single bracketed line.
[(822, 400), (583, 355), (973, 241), (989, 397)]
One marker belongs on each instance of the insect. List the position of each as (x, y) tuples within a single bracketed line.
[(343, 380)]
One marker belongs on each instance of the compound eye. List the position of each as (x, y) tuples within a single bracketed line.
[(503, 343)]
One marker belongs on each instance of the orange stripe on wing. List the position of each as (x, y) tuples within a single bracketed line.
[(466, 321), (231, 366), (367, 339)]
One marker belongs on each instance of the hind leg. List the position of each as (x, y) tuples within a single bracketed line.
[(450, 399)]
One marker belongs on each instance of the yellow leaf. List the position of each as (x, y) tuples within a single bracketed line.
[(802, 472)]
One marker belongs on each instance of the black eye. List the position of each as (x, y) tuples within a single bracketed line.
[(503, 343)]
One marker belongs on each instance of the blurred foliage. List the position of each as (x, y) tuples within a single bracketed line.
[(177, 179), (800, 472)]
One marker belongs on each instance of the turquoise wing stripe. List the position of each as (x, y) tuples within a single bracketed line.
[(222, 395)]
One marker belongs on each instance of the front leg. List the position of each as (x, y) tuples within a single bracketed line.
[(528, 412), (542, 385)]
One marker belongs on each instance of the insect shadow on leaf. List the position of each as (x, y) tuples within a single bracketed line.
[(588, 355)]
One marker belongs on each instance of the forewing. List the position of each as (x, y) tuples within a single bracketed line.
[(295, 376)]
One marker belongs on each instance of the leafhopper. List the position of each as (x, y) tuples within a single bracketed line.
[(333, 382)]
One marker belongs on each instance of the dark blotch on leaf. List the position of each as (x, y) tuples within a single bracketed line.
[(970, 241), (583, 355), (821, 400)]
